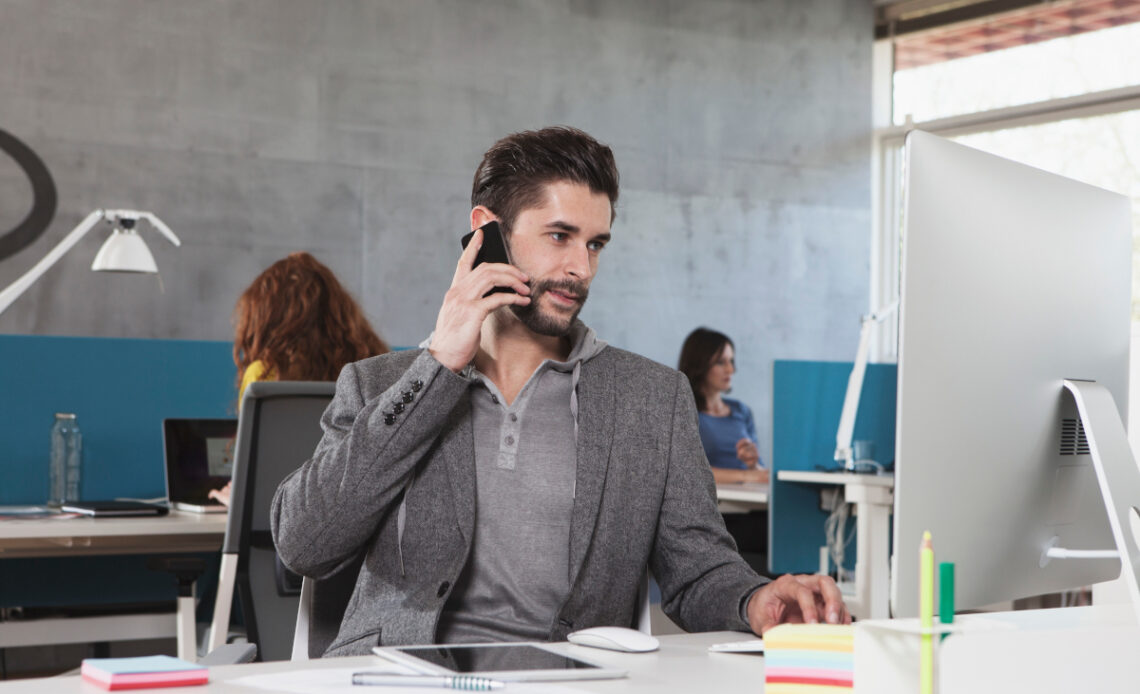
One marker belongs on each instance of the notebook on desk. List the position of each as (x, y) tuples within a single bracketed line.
[(199, 457)]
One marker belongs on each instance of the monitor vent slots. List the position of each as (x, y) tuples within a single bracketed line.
[(1073, 440)]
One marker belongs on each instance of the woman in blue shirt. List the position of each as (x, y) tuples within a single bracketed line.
[(727, 430), (728, 434)]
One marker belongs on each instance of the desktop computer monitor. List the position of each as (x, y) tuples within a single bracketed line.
[(1014, 281)]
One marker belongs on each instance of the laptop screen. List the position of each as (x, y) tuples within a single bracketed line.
[(199, 457)]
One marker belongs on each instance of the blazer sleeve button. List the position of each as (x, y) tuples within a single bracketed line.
[(398, 408), (407, 396), (442, 589), (417, 385), (389, 418)]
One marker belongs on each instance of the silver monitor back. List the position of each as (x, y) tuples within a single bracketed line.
[(1013, 279)]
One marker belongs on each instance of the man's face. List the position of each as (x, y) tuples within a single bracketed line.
[(557, 244)]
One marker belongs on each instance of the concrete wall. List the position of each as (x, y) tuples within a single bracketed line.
[(352, 129)]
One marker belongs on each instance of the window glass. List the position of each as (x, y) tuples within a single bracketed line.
[(1061, 67), (1103, 151)]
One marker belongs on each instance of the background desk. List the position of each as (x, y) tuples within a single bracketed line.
[(172, 534), (683, 665), (873, 496), (50, 537), (741, 498)]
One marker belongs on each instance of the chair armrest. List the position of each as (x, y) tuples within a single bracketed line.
[(230, 654)]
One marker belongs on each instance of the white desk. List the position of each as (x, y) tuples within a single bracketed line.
[(65, 537), (741, 497), (682, 665), (68, 537), (873, 496)]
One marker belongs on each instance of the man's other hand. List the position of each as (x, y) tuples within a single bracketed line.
[(467, 304), (796, 599)]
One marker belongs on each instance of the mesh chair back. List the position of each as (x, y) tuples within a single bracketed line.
[(278, 429)]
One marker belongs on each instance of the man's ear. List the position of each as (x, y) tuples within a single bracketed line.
[(480, 215)]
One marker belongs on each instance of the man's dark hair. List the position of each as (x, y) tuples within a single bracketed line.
[(514, 173)]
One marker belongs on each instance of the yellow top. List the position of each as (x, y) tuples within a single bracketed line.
[(254, 372), (811, 637)]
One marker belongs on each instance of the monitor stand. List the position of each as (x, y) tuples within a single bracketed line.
[(1118, 476)]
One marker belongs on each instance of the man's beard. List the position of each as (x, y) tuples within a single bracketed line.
[(544, 323)]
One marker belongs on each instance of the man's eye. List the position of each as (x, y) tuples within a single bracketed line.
[(595, 245), (558, 235)]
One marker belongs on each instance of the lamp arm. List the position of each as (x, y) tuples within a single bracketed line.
[(14, 290), (850, 409), (161, 226), (846, 430)]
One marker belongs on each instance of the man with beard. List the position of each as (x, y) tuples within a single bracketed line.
[(514, 478)]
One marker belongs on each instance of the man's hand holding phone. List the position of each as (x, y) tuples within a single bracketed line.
[(470, 300)]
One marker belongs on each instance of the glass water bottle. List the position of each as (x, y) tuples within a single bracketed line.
[(66, 459)]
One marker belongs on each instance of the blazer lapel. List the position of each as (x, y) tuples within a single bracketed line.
[(596, 403), (458, 448)]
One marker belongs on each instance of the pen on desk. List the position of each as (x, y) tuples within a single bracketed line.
[(462, 682), (945, 593), (926, 615)]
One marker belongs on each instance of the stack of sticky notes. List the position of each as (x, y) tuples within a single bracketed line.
[(809, 659), (142, 672)]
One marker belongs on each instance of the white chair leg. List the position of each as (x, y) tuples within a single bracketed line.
[(301, 630), (223, 602), (643, 611)]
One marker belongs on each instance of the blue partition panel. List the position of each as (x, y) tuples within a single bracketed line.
[(120, 390), (807, 397)]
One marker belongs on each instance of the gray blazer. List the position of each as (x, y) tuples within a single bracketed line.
[(394, 477)]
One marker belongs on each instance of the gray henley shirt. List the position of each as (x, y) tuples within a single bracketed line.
[(518, 574)]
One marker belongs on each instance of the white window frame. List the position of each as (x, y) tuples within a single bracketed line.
[(886, 165)]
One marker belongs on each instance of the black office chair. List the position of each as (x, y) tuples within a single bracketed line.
[(278, 429)]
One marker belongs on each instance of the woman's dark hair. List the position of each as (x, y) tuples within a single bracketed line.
[(299, 321), (702, 347), (514, 173)]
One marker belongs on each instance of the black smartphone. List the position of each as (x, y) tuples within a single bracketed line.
[(494, 249)]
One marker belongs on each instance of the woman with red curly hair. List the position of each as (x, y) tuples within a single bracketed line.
[(296, 322)]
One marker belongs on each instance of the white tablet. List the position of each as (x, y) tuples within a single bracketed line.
[(509, 662)]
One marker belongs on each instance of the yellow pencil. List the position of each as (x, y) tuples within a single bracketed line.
[(926, 615)]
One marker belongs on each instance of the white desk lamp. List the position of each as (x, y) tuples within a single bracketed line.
[(123, 251), (843, 450)]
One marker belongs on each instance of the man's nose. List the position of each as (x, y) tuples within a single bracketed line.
[(578, 262)]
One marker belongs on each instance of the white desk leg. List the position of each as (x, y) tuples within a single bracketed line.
[(872, 555), (187, 640)]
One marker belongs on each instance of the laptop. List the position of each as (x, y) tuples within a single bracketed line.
[(199, 457)]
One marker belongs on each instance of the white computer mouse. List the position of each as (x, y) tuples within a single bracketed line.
[(614, 639)]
